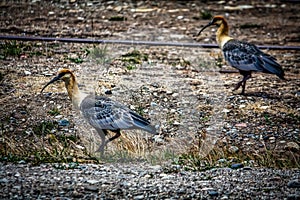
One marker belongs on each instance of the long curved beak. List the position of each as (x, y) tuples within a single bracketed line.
[(52, 81), (209, 24)]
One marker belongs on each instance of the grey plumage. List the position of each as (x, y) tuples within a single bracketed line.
[(102, 113), (247, 57)]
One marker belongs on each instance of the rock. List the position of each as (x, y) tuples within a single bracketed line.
[(27, 73), (138, 197), (294, 184), (233, 149), (3, 180), (237, 166), (213, 193), (92, 181), (222, 160), (91, 188), (63, 122), (242, 125)]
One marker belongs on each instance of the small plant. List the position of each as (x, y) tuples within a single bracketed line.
[(131, 67), (100, 55), (11, 48), (44, 127), (54, 112), (16, 49), (76, 60), (205, 14), (133, 58)]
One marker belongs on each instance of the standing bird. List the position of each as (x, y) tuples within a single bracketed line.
[(242, 55), (102, 113)]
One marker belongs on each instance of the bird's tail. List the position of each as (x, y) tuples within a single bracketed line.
[(271, 66), (142, 123)]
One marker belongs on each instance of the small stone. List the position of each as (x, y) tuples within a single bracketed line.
[(264, 107), (247, 168), (224, 197), (294, 184), (17, 174), (222, 160), (242, 106), (92, 181), (138, 197), (108, 92), (63, 122), (237, 166), (213, 193), (3, 180), (27, 73), (233, 149), (226, 110), (153, 104), (17, 187), (22, 162), (242, 125), (92, 188)]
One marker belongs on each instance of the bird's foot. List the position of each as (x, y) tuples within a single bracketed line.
[(238, 85), (101, 150)]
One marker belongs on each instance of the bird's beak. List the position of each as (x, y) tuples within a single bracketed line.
[(52, 81), (209, 24)]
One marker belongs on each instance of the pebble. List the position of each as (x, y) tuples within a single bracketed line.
[(91, 188), (233, 149), (127, 180), (237, 166), (213, 193), (63, 122), (27, 73), (294, 184)]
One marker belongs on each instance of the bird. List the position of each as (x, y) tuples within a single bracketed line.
[(244, 56), (102, 113)]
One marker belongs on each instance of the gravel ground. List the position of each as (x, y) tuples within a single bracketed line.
[(144, 181)]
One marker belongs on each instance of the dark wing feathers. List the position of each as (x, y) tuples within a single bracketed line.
[(247, 57), (142, 122), (104, 113)]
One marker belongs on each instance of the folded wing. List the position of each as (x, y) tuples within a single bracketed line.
[(104, 113)]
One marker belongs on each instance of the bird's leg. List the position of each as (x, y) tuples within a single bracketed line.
[(102, 134), (118, 134), (242, 83)]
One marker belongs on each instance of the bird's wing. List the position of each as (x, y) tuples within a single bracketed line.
[(104, 113), (243, 56)]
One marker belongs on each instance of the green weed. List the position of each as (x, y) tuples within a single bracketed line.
[(100, 55)]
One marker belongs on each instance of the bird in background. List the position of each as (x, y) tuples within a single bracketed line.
[(102, 113), (245, 57)]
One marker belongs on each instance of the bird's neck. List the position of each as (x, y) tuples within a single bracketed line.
[(74, 93), (222, 34)]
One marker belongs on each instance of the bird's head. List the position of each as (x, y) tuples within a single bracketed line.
[(217, 20), (63, 74)]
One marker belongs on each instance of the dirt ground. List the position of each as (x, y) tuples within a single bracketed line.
[(180, 89)]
